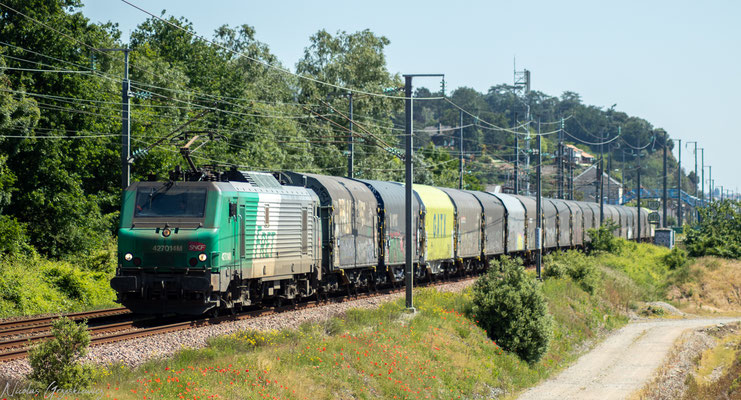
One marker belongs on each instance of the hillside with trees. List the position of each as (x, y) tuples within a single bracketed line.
[(60, 119)]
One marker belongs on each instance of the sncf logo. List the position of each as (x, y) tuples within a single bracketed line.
[(196, 246)]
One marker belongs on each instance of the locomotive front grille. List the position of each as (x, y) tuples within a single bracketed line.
[(160, 259)]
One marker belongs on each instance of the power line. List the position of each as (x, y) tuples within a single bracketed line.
[(499, 128), (586, 130), (266, 64), (590, 143), (653, 138), (58, 71), (59, 136)]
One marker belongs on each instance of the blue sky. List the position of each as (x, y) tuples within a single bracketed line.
[(674, 63)]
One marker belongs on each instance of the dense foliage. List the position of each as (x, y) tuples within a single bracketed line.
[(576, 266), (718, 232), (30, 284), (55, 363), (509, 304)]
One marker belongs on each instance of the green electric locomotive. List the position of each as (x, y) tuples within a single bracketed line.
[(194, 247)]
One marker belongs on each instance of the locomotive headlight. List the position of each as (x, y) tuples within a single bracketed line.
[(166, 232), (128, 256), (202, 257)]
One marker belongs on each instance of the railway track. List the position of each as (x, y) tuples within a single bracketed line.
[(39, 324), (17, 348)]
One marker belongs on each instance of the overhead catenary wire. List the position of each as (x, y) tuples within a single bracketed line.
[(590, 143), (59, 136), (490, 126), (639, 148), (267, 64), (499, 128), (76, 41), (58, 71), (195, 94)]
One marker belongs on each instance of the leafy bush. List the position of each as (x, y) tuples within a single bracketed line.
[(603, 238), (510, 306), (719, 231), (676, 259), (13, 238), (56, 361), (575, 265)]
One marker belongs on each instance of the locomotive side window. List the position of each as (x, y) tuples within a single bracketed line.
[(267, 215), (152, 202)]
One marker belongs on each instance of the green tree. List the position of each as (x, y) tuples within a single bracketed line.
[(357, 61), (55, 362), (510, 306), (63, 187), (718, 232)]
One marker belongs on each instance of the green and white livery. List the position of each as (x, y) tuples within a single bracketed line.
[(194, 247)]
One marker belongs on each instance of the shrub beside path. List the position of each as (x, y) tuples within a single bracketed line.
[(620, 365)]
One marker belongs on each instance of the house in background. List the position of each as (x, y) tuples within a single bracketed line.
[(442, 135), (581, 157), (586, 184)]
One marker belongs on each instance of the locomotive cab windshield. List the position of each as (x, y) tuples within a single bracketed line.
[(181, 203)]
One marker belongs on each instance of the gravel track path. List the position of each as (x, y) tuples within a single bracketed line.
[(670, 381), (620, 365), (137, 351)]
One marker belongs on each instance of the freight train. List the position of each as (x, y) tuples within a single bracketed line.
[(236, 239)]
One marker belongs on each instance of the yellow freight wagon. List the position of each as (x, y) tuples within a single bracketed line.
[(438, 216)]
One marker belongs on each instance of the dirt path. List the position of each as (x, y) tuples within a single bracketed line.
[(620, 365)]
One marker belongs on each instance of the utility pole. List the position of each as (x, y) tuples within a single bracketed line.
[(571, 174), (679, 185), (350, 143), (702, 184), (527, 159), (409, 270), (609, 169), (664, 195), (601, 184), (561, 160), (125, 121), (460, 153), (538, 213), (622, 175), (695, 153), (409, 191), (710, 182), (517, 156), (522, 82), (638, 205)]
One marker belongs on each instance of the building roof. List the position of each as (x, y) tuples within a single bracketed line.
[(579, 151), (590, 174)]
